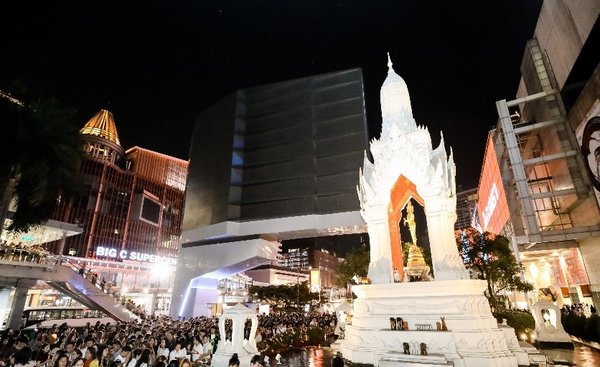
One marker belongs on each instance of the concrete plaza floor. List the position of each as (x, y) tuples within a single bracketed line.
[(581, 356)]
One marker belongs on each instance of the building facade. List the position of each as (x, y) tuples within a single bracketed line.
[(278, 150), (466, 202), (130, 209), (321, 263), (269, 163), (537, 184)]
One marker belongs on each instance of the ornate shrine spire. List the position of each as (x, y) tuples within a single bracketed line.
[(396, 109)]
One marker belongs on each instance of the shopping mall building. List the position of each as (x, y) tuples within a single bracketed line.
[(126, 218), (540, 180)]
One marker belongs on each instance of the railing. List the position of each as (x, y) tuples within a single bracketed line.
[(103, 286), (23, 254), (27, 256)]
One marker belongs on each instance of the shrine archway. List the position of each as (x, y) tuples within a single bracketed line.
[(402, 191)]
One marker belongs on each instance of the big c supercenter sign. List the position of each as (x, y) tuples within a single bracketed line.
[(134, 255), (492, 208)]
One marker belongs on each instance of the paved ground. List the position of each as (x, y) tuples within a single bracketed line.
[(581, 356)]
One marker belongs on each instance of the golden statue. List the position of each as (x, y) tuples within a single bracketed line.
[(415, 264), (409, 221), (415, 256)]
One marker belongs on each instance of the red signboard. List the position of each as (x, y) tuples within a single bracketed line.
[(492, 209)]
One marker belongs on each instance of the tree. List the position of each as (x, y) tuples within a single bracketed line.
[(492, 259), (284, 297), (355, 264), (41, 153)]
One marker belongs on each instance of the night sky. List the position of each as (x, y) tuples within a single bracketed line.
[(156, 64)]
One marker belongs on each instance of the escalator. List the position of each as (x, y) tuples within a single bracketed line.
[(72, 284), (62, 275)]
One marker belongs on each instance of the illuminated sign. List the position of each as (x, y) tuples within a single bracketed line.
[(134, 255), (492, 208), (491, 205)]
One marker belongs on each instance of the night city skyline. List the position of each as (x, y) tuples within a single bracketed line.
[(156, 66)]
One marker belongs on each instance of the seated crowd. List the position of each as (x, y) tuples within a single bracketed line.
[(153, 342)]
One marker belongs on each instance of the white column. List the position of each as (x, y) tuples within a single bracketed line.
[(4, 303), (447, 264), (380, 264), (18, 305)]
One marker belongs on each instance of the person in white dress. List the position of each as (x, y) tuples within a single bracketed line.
[(178, 352), (163, 350), (197, 349)]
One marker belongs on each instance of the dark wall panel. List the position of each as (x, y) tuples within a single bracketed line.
[(209, 172), (299, 148)]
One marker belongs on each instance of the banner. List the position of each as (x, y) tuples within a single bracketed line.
[(492, 208), (588, 137)]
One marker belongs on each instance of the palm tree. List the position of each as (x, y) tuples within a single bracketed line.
[(40, 156)]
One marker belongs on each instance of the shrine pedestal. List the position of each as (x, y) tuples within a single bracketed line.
[(473, 338), (549, 329)]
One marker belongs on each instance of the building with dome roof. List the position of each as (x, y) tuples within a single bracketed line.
[(101, 138), (130, 210)]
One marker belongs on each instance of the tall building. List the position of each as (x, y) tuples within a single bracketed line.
[(130, 210), (269, 163), (466, 202), (321, 263), (296, 258), (278, 150), (539, 180)]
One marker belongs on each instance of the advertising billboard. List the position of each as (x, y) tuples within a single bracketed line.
[(588, 137), (492, 208)]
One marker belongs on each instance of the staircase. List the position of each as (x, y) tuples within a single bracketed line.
[(62, 275), (71, 283), (408, 360)]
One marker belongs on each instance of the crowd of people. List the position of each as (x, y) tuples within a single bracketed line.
[(579, 309), (108, 288), (20, 252), (153, 342)]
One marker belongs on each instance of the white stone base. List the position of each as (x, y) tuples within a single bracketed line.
[(549, 332), (473, 338), (222, 360), (225, 351), (536, 357), (513, 345)]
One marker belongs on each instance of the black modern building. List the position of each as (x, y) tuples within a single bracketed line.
[(277, 150), (268, 163)]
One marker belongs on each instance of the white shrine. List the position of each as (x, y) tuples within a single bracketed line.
[(405, 166), (236, 343)]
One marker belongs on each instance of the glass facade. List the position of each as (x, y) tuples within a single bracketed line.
[(130, 208)]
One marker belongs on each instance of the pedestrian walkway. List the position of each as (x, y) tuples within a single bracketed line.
[(59, 273)]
